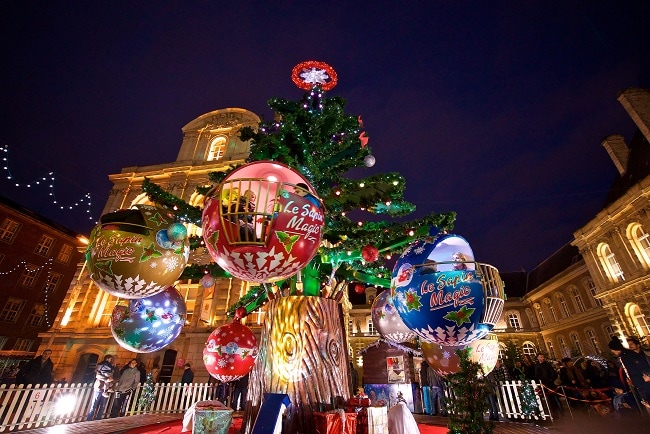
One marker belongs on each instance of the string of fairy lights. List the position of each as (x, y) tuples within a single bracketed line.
[(33, 271), (49, 181)]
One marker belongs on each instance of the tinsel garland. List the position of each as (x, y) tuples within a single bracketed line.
[(411, 351)]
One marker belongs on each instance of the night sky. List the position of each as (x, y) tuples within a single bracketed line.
[(495, 110)]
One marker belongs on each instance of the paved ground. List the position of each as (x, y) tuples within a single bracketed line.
[(577, 423)]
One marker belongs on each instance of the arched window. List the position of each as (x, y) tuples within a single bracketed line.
[(540, 314), (563, 348), (638, 319), (564, 306), (591, 334), (609, 263), (198, 200), (142, 199), (531, 317), (551, 309), (217, 149), (529, 348), (576, 343), (577, 298), (551, 350), (502, 351), (640, 241), (591, 287), (514, 321)]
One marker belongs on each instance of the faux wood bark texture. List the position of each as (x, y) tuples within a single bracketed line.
[(301, 353)]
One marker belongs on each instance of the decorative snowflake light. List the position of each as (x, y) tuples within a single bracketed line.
[(312, 73)]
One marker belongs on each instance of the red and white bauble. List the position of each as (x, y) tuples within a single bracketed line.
[(230, 352), (264, 222), (445, 361)]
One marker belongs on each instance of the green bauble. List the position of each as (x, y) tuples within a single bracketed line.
[(176, 232)]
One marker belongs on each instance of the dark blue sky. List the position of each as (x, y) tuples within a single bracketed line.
[(495, 110)]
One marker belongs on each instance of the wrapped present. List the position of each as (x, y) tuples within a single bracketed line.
[(335, 422), (377, 420), (359, 402), (211, 417)]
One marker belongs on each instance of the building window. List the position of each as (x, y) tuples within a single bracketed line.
[(217, 149), (52, 282), (578, 299), (44, 246), (503, 353), (565, 306), (12, 309), (513, 320), (551, 350), (29, 275), (35, 318), (371, 327), (540, 315), (609, 330), (610, 264), (640, 241), (8, 230), (64, 254), (639, 320), (3, 341), (594, 341), (551, 310), (23, 345), (563, 347), (529, 348), (592, 290), (576, 343)]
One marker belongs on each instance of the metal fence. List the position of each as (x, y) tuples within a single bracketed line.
[(40, 406)]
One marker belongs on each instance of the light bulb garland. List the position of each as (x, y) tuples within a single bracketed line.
[(48, 180), (35, 270)]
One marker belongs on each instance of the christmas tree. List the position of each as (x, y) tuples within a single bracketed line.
[(147, 395), (315, 136), (468, 404)]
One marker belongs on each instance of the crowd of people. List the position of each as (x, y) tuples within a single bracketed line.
[(616, 386)]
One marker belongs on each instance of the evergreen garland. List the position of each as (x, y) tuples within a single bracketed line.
[(147, 395), (468, 404)]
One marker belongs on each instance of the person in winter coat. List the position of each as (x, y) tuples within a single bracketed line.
[(129, 380), (39, 370), (546, 374), (103, 387)]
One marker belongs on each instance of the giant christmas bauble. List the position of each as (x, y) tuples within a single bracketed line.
[(387, 321), (230, 352), (263, 223), (149, 324), (130, 255), (444, 361), (438, 293)]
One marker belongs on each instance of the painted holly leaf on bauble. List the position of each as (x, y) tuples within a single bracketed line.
[(105, 267), (158, 219), (461, 316), (151, 315), (149, 253), (412, 300), (287, 240)]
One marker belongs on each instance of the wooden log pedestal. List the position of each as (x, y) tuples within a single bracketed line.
[(302, 353)]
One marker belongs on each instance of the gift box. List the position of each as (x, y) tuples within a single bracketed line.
[(359, 402), (212, 417), (335, 422)]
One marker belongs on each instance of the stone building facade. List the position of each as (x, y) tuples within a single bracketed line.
[(38, 259)]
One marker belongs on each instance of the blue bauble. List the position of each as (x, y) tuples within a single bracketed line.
[(437, 293), (176, 232), (149, 324)]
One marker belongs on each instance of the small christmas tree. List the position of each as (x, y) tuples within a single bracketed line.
[(147, 396), (468, 404), (528, 397)]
